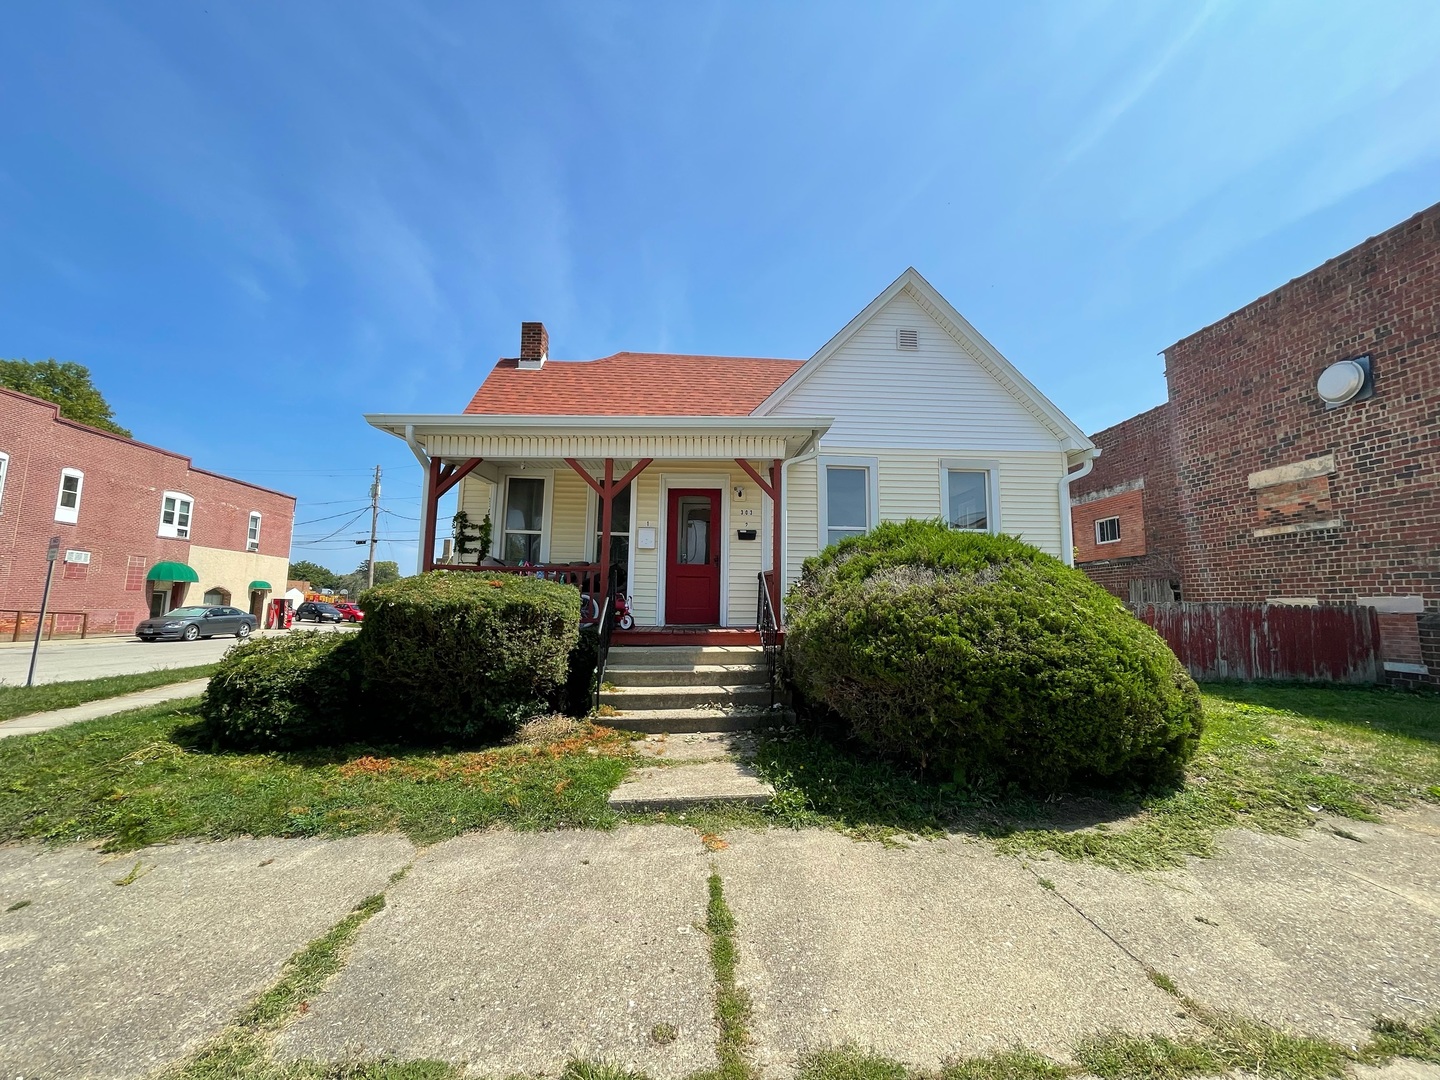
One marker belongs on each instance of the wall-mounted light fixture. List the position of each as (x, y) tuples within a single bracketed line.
[(1346, 381)]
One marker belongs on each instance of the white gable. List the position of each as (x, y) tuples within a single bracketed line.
[(951, 390)]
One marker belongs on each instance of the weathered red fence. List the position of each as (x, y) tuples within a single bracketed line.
[(1270, 641)]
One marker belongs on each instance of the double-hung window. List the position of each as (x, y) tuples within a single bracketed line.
[(252, 532), (175, 509), (4, 468), (67, 501), (524, 519), (968, 495), (620, 518), (847, 497)]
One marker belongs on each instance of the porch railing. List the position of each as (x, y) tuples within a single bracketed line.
[(771, 639), (584, 576), (16, 621)]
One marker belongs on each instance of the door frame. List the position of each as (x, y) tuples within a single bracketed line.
[(720, 481)]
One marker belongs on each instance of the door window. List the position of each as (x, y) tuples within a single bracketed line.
[(524, 513), (693, 531)]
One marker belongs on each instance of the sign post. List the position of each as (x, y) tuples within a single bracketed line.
[(51, 554)]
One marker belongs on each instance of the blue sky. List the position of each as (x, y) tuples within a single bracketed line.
[(255, 222)]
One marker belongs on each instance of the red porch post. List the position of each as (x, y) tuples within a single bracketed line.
[(607, 506), (432, 507)]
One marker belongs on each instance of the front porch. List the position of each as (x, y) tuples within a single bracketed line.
[(681, 517)]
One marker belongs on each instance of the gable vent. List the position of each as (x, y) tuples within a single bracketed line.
[(907, 339)]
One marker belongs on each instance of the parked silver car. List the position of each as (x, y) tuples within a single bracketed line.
[(200, 621)]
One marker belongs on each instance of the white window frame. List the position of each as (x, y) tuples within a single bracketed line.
[(547, 478), (991, 468), (872, 489), (4, 472), (1100, 521), (252, 531), (173, 529), (69, 514)]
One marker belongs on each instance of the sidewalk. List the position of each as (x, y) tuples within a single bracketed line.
[(45, 721)]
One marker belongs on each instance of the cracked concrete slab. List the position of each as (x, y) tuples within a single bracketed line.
[(113, 980), (513, 952), (921, 953), (1318, 934)]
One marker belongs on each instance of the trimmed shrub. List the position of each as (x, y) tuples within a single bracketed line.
[(983, 657), (459, 656), (285, 693)]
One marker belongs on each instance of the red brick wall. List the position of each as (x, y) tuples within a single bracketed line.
[(1133, 452), (1243, 399), (1129, 507), (119, 514)]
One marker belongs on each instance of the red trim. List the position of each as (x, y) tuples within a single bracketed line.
[(663, 635), (766, 488), (433, 502), (450, 475)]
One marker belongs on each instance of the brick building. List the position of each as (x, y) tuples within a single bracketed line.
[(1248, 485), (141, 530)]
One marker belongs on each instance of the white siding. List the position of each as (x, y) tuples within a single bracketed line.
[(938, 395), (567, 517)]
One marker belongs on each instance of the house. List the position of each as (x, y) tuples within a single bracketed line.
[(141, 529), (693, 476), (1297, 459)]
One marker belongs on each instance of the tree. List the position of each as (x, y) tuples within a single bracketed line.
[(68, 385), (356, 583), (318, 576)]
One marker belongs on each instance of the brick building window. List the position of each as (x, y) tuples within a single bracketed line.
[(1107, 531), (4, 468), (175, 515), (67, 500), (135, 573), (252, 533)]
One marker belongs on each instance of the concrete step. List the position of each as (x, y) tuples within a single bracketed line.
[(685, 787), (682, 655), (687, 675), (684, 721), (694, 696)]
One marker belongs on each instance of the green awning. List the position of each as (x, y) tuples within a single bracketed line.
[(264, 585), (171, 571)]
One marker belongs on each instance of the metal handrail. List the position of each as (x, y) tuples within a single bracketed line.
[(50, 615), (605, 627), (771, 639)]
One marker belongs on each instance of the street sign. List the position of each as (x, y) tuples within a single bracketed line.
[(53, 551), (51, 554)]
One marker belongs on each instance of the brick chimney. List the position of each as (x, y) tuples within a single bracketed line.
[(534, 346)]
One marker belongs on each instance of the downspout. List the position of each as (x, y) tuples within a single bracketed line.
[(809, 452), (424, 460), (1067, 527)]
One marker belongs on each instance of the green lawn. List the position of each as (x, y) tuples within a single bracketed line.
[(151, 775), (22, 700), (1272, 758)]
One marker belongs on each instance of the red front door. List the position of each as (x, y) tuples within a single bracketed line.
[(692, 558)]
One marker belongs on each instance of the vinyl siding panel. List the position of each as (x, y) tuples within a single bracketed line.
[(938, 395), (567, 517)]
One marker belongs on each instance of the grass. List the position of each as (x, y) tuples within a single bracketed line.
[(732, 1004), (1272, 758), (149, 776), (23, 700)]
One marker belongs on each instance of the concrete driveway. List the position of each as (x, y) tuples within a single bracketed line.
[(63, 661)]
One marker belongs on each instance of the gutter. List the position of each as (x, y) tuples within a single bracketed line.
[(1067, 526), (809, 452), (424, 460)]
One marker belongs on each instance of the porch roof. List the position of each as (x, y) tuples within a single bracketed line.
[(492, 437)]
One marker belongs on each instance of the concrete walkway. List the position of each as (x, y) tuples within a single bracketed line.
[(512, 952), (141, 699)]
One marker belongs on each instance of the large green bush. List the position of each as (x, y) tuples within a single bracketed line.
[(285, 693), (459, 655), (984, 657)]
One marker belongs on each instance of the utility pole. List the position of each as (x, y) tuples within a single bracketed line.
[(374, 522)]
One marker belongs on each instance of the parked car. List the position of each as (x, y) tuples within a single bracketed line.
[(200, 621), (318, 611), (350, 611)]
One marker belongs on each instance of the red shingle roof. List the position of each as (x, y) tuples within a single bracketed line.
[(633, 384)]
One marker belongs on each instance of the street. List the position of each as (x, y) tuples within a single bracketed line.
[(63, 661)]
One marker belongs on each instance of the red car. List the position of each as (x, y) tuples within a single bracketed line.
[(350, 611)]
